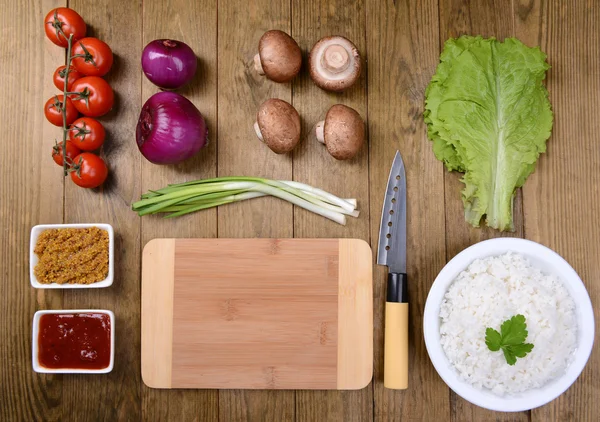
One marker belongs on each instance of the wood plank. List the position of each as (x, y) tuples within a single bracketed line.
[(312, 20), (31, 192), (119, 25), (180, 20), (561, 197), (487, 19), (241, 91), (403, 48)]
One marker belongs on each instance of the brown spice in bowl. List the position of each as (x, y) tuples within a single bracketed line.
[(72, 256)]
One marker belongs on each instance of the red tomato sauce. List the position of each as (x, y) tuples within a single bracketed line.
[(74, 341)]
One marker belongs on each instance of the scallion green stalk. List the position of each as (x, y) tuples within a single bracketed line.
[(184, 198)]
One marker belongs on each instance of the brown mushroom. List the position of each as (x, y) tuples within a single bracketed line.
[(278, 125), (279, 58), (334, 63), (342, 132)]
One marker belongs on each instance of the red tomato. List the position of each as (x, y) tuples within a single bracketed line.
[(59, 77), (60, 23), (87, 134), (57, 153), (94, 96), (89, 170), (92, 57), (53, 110)]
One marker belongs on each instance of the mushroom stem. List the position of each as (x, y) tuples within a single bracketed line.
[(258, 132), (335, 58), (258, 65), (319, 130)]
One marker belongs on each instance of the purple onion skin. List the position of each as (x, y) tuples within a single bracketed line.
[(169, 64), (170, 129)]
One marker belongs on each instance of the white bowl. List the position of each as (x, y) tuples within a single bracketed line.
[(549, 262), (34, 343), (33, 258)]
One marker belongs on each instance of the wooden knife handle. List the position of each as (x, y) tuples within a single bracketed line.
[(396, 346)]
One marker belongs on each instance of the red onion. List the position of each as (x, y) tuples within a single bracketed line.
[(169, 64), (170, 129)]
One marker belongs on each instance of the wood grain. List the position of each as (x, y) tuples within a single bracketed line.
[(157, 312), (257, 313), (119, 25), (312, 20), (560, 199), (401, 40), (241, 91), (194, 23), (403, 51), (355, 315), (488, 19), (31, 192)]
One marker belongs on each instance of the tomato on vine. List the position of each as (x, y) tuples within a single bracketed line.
[(59, 77), (88, 170), (62, 22), (57, 153), (53, 109), (92, 57), (87, 134), (92, 96)]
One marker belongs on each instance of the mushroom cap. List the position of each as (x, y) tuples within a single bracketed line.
[(279, 125), (344, 59), (344, 132), (280, 56)]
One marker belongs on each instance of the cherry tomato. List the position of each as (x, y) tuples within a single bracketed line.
[(53, 110), (89, 170), (60, 23), (57, 153), (92, 57), (87, 134), (94, 96), (59, 77)]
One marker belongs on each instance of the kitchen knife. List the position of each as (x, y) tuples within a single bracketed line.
[(391, 251)]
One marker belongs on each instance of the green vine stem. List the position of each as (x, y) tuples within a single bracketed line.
[(64, 109)]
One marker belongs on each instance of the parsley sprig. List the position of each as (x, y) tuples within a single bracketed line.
[(511, 339)]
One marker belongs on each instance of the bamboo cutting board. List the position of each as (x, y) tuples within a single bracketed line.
[(257, 313)]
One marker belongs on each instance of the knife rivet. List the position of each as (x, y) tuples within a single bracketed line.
[(390, 224), (393, 200), (395, 188), (391, 211), (388, 235), (387, 248)]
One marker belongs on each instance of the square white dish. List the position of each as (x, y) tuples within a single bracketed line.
[(33, 258), (35, 347)]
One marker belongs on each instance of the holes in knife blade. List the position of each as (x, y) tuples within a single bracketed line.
[(390, 224), (387, 248), (393, 200), (397, 177), (388, 235), (391, 211), (395, 188)]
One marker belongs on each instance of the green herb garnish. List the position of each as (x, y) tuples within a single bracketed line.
[(511, 339)]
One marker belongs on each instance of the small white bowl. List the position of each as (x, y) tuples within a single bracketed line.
[(34, 343), (33, 258), (549, 262)]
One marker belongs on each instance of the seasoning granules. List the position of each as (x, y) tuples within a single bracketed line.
[(72, 256)]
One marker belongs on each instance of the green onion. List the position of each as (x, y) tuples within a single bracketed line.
[(184, 198)]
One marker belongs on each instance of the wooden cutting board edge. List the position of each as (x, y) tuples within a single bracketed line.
[(354, 345)]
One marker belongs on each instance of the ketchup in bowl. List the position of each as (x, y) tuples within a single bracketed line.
[(74, 341)]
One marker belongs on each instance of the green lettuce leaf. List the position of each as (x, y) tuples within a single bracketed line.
[(488, 115)]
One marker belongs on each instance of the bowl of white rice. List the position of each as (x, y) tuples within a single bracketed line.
[(488, 284)]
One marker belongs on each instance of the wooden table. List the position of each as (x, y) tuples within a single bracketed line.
[(558, 206)]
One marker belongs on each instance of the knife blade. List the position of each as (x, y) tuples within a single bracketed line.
[(391, 251)]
